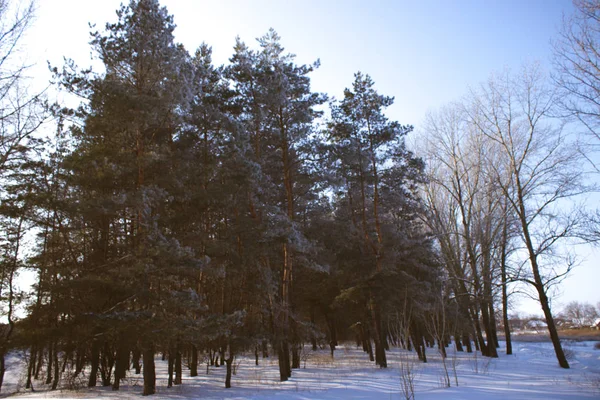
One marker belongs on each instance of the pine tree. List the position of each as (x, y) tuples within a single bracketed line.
[(278, 110), (130, 123), (376, 199)]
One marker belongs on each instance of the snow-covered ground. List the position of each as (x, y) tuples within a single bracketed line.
[(531, 373)]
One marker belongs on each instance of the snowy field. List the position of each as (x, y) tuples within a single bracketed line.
[(531, 373)]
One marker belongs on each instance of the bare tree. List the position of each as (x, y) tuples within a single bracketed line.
[(466, 216), (539, 173), (577, 64), (580, 315), (20, 114)]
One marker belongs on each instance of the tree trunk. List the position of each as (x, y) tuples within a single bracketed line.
[(194, 362), (330, 320), (560, 354), (228, 362), (121, 363), (30, 368), (2, 368), (137, 355), (493, 326), (442, 348), (50, 361), (284, 360), (107, 362), (505, 292), (38, 364), (178, 369), (79, 360), (479, 341), (295, 355), (313, 338), (458, 344), (490, 346), (95, 361), (170, 369), (56, 369), (149, 371), (467, 341), (379, 335)]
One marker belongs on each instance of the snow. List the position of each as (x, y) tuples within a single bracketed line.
[(530, 373)]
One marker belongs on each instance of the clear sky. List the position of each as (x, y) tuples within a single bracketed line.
[(426, 53)]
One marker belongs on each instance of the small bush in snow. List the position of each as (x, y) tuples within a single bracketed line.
[(569, 353)]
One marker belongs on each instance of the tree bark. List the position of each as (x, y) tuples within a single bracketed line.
[(170, 368), (30, 368), (95, 363), (503, 255), (50, 362), (56, 370), (284, 360), (121, 363), (149, 371), (194, 361), (137, 355), (228, 362), (2, 368), (178, 368)]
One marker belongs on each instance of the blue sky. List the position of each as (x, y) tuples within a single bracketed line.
[(425, 53)]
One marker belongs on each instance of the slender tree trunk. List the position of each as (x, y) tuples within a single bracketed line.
[(479, 341), (467, 341), (458, 344), (493, 326), (330, 321), (194, 362), (39, 363), (79, 360), (295, 355), (121, 363), (178, 368), (95, 363), (505, 288), (313, 338), (30, 368), (442, 348), (419, 344), (170, 368), (379, 335), (107, 364), (50, 362), (228, 362), (2, 368), (137, 355), (56, 369)]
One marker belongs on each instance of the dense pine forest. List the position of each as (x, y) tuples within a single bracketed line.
[(200, 212)]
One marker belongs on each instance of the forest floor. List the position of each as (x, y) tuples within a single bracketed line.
[(530, 373)]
